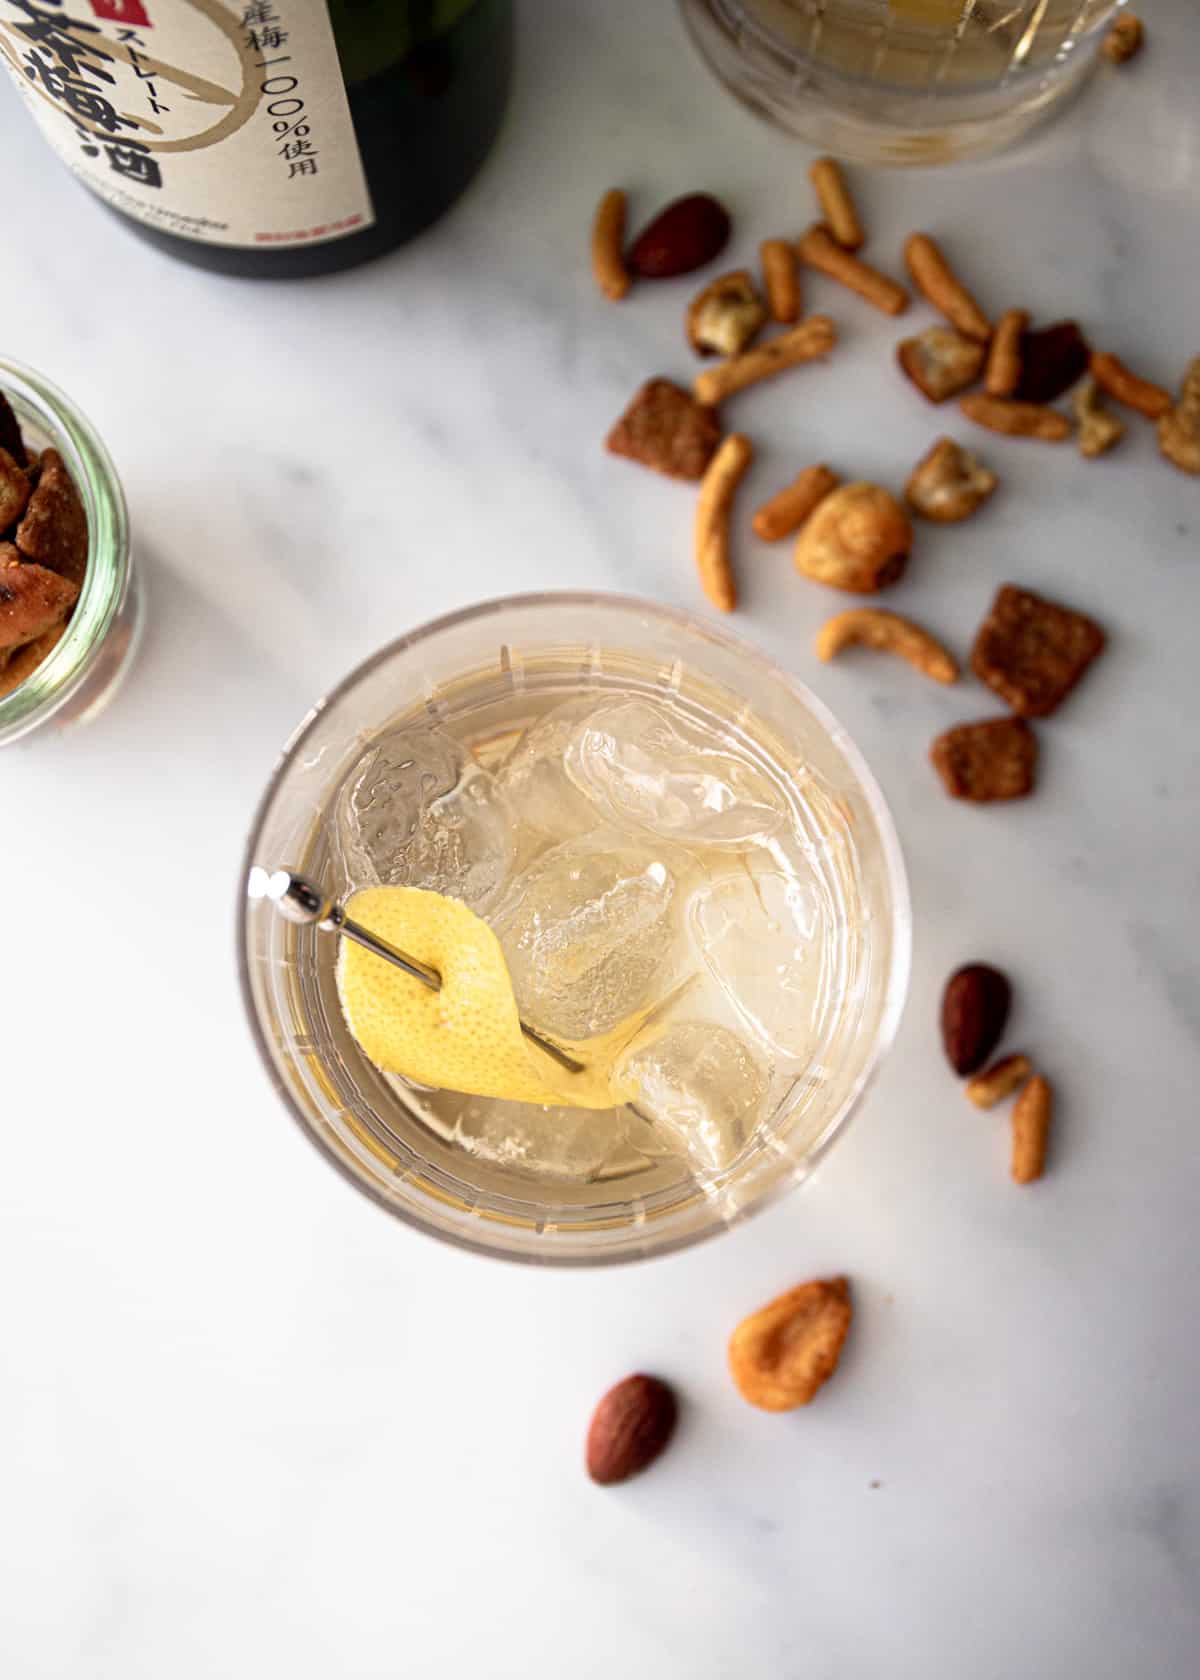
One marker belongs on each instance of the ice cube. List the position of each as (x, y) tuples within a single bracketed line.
[(419, 812), (534, 780), (646, 765), (566, 1143), (759, 937), (702, 1090), (587, 932)]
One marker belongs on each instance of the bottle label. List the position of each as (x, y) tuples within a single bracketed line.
[(226, 123)]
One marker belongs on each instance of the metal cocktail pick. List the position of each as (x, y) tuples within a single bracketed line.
[(302, 901)]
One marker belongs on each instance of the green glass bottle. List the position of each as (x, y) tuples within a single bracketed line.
[(274, 138)]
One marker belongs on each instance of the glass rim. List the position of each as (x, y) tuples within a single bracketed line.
[(900, 957), (736, 13), (64, 668)]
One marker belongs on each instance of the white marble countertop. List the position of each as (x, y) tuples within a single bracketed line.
[(251, 1425)]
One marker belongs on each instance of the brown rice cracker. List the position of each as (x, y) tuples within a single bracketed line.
[(1032, 652), (982, 762), (665, 428)]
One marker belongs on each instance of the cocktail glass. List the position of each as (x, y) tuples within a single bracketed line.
[(484, 673)]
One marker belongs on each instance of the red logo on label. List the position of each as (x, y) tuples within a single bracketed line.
[(122, 11)]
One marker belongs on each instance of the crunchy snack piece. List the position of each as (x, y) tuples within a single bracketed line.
[(873, 627), (24, 662), (810, 339), (999, 1081), (14, 490), (940, 362), (10, 433), (858, 539), (995, 759), (1032, 652), (724, 317), (932, 275), (1179, 428), (1052, 360), (790, 507), (1099, 427), (975, 1004), (665, 428), (54, 529), (1004, 354), (608, 242), (781, 279), (781, 1355), (1015, 419), (630, 1427), (688, 233), (1124, 40), (32, 599), (726, 471), (1031, 1117), (820, 250), (1111, 374), (948, 484), (837, 207)]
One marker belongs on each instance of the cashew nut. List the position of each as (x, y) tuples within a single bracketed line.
[(873, 627), (858, 539)]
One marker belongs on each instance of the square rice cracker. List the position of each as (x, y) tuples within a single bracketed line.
[(983, 762), (1032, 652), (665, 428)]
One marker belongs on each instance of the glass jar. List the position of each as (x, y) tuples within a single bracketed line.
[(81, 674), (379, 1136), (901, 81)]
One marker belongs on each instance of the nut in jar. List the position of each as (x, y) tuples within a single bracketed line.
[(69, 605)]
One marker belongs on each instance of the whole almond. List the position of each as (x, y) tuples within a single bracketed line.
[(687, 234), (1052, 360), (975, 1007), (629, 1428)]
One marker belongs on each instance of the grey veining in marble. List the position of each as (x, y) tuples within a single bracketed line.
[(249, 1425)]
